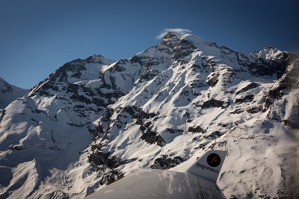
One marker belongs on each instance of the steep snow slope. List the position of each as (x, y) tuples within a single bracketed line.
[(94, 121), (9, 93)]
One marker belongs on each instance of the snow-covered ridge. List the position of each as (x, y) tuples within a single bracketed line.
[(9, 93), (94, 121)]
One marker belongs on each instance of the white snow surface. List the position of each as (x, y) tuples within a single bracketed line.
[(9, 93), (94, 121)]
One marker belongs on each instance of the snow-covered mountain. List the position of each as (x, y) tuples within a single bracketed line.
[(94, 121), (9, 93)]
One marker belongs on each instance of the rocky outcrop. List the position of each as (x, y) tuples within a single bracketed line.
[(269, 62), (165, 162)]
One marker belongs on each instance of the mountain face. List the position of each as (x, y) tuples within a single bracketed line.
[(94, 121), (9, 93)]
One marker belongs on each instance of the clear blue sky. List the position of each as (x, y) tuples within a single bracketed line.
[(38, 36)]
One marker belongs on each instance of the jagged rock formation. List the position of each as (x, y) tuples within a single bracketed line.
[(95, 121)]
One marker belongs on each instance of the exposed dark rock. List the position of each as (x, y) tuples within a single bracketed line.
[(148, 135), (197, 84), (72, 88), (75, 124), (138, 113), (88, 91), (169, 35), (292, 124), (40, 111), (16, 147), (149, 74), (151, 137), (287, 81), (214, 135), (45, 93), (102, 78), (99, 102), (202, 145), (197, 129), (95, 59), (214, 103), (224, 124), (75, 67), (80, 98), (183, 49), (100, 159), (147, 61), (278, 91), (71, 69), (212, 79), (248, 87), (269, 68), (247, 98), (49, 86), (169, 40), (119, 66), (242, 59), (173, 131), (113, 162), (59, 76), (136, 59), (165, 162), (2, 112), (254, 110), (208, 63), (237, 111), (112, 176), (274, 94)]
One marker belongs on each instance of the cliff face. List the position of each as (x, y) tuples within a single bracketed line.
[(94, 121)]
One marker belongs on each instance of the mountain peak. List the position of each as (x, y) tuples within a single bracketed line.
[(170, 34), (174, 34), (172, 37), (96, 120)]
